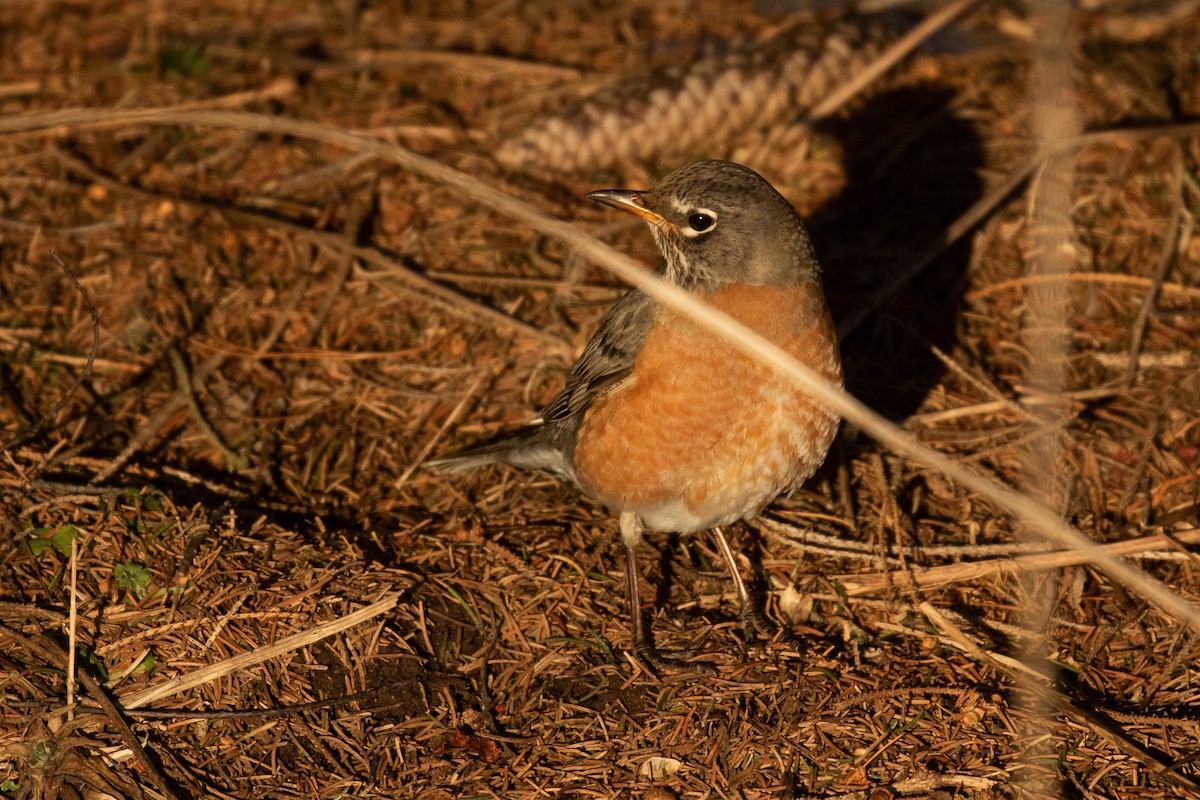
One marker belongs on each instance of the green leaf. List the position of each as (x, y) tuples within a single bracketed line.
[(60, 539), (465, 605), (153, 500), (38, 541), (132, 577), (42, 754), (91, 662)]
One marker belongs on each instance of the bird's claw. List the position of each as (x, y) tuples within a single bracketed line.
[(658, 662)]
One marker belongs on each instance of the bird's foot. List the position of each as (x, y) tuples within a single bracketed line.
[(755, 624), (659, 662)]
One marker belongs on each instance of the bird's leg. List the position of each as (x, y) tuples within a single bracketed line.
[(754, 618), (643, 638)]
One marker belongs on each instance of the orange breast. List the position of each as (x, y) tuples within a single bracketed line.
[(702, 435)]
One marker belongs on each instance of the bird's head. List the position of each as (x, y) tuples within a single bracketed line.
[(719, 223)]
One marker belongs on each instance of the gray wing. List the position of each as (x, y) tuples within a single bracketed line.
[(549, 441), (608, 358)]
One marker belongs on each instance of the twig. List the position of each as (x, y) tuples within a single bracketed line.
[(36, 425), (277, 89), (1024, 405), (248, 659), (180, 399), (20, 89), (1119, 279), (14, 345), (76, 232), (264, 713), (461, 63), (906, 273), (294, 184), (1174, 220), (449, 298), (72, 627), (444, 296), (981, 383), (924, 785), (28, 611), (1038, 684), (558, 284), (183, 385), (152, 426), (355, 223), (441, 431), (902, 47), (1031, 513), (1044, 332), (932, 577), (52, 653)]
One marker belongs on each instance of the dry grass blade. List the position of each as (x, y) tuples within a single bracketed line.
[(1135, 281), (51, 653), (1044, 329), (1138, 331), (1031, 513), (888, 59), (245, 660), (283, 267), (856, 585), (1056, 701)]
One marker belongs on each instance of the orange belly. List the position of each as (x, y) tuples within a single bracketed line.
[(703, 435)]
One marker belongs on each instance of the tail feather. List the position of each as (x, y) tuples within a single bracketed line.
[(531, 447), (490, 451)]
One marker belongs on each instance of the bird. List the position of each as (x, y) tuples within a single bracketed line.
[(663, 421)]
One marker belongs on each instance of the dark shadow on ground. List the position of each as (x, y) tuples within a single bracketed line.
[(912, 168)]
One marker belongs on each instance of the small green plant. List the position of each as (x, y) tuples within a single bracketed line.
[(186, 59), (91, 662), (149, 663), (152, 500), (132, 577), (60, 538)]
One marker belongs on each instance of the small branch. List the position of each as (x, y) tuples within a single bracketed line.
[(859, 585), (183, 384), (257, 656), (902, 47), (51, 652), (1035, 515), (1138, 330)]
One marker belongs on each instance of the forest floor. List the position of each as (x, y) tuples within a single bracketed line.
[(211, 493)]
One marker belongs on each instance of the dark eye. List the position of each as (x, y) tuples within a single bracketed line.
[(701, 222)]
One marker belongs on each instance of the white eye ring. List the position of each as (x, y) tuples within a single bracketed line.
[(700, 221)]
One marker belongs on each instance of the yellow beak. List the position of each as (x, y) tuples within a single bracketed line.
[(628, 200)]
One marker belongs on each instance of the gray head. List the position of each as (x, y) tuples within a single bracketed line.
[(719, 223)]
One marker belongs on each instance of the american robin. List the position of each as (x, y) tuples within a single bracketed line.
[(664, 422)]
